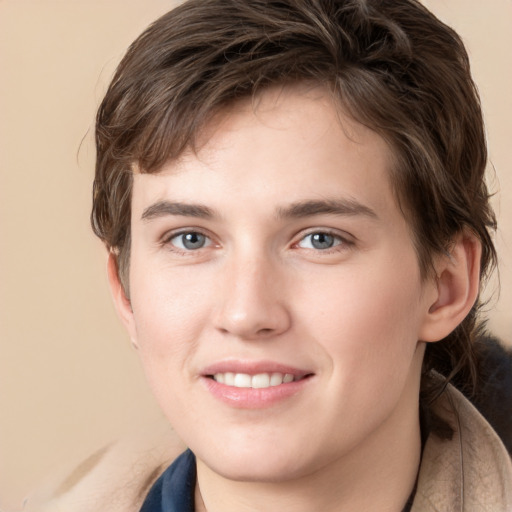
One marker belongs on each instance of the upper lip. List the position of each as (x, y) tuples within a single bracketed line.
[(253, 368)]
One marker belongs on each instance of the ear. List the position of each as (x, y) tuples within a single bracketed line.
[(121, 301), (455, 289)]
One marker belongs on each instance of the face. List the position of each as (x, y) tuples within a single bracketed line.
[(276, 297)]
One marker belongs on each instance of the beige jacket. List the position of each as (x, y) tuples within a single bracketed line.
[(471, 472)]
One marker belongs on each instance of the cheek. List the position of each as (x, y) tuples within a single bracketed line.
[(169, 314), (368, 321), (168, 323)]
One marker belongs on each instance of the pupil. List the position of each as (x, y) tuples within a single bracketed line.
[(322, 241), (193, 240)]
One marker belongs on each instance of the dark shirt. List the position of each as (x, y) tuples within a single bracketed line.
[(174, 490)]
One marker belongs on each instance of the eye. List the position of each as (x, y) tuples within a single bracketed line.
[(320, 241), (190, 241)]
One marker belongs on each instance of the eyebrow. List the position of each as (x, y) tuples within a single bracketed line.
[(348, 207), (299, 209), (163, 208)]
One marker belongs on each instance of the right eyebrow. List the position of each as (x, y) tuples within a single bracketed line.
[(164, 208)]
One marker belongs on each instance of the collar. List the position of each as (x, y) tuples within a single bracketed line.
[(174, 490), (471, 471)]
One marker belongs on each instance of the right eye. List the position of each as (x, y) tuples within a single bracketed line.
[(189, 241)]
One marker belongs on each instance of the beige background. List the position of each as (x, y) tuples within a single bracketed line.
[(69, 381)]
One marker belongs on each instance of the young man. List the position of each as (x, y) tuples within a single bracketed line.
[(292, 193)]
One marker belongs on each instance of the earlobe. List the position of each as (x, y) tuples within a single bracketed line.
[(457, 286), (121, 301)]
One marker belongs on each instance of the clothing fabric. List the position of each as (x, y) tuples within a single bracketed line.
[(470, 472), (174, 490)]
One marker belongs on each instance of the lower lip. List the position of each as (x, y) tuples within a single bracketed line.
[(254, 398)]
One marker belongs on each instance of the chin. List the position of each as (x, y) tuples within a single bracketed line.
[(263, 471), (259, 463)]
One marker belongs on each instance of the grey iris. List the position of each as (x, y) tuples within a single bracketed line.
[(193, 240), (322, 240)]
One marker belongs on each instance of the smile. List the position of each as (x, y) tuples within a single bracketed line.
[(258, 381), (254, 385)]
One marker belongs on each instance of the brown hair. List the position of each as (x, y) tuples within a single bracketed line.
[(393, 66)]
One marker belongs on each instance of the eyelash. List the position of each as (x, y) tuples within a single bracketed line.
[(167, 240), (341, 243)]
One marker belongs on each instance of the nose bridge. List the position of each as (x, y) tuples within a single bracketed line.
[(253, 303)]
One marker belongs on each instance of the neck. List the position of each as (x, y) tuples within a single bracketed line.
[(378, 475)]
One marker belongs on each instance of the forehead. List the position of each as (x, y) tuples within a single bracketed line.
[(302, 110), (286, 144)]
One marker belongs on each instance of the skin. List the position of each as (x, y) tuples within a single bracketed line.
[(260, 291)]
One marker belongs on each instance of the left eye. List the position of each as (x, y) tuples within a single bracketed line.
[(190, 241), (319, 241)]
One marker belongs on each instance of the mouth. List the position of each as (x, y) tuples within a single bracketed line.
[(256, 381), (254, 385)]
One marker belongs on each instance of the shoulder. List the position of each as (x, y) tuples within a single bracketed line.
[(115, 478), (491, 394), (469, 471), (493, 397)]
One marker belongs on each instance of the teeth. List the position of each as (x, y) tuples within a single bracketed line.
[(288, 378), (242, 380), (276, 379), (260, 380)]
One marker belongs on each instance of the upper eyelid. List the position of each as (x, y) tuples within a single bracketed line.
[(342, 235), (165, 241), (172, 233)]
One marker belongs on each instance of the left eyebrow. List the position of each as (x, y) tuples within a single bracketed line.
[(163, 208), (348, 207)]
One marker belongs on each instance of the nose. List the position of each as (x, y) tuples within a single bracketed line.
[(252, 302)]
